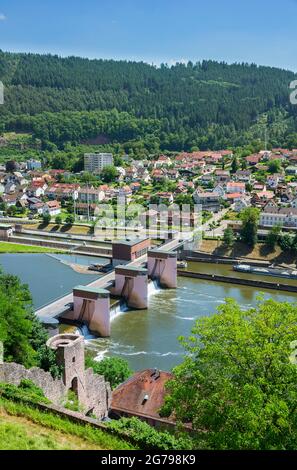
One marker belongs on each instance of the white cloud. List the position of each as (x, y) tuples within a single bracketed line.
[(182, 60), (2, 17)]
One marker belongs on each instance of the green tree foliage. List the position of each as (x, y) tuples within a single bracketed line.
[(237, 384), (207, 105), (288, 242), (149, 438), (58, 219), (69, 219), (16, 327), (11, 166), (228, 238), (114, 369), (109, 174), (234, 165), (274, 166), (26, 391), (250, 220), (273, 237), (46, 218), (22, 334)]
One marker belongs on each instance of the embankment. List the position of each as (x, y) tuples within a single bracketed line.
[(244, 282)]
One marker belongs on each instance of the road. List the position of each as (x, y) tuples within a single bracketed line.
[(218, 231)]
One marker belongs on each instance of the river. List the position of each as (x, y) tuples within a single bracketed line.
[(145, 338), (47, 277)]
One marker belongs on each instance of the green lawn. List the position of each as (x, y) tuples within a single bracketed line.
[(23, 427), (8, 247)]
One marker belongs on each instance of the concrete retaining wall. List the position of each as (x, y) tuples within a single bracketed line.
[(45, 243), (243, 282), (60, 245), (207, 258)]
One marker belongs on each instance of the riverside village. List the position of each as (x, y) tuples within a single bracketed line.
[(141, 263)]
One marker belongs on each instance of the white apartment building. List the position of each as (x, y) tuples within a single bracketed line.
[(91, 195), (95, 162), (284, 217)]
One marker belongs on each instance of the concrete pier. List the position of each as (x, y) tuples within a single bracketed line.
[(162, 266), (91, 305), (131, 285)]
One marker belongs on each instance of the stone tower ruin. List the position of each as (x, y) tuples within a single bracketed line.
[(70, 354)]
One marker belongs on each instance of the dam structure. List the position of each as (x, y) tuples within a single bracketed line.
[(128, 283)]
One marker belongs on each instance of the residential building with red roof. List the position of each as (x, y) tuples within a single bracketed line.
[(235, 187), (143, 395)]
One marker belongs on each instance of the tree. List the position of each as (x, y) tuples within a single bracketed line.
[(228, 238), (109, 174), (12, 210), (250, 220), (20, 331), (114, 369), (285, 242), (244, 164), (69, 219), (237, 383), (274, 166), (234, 165), (46, 218), (273, 236), (11, 166), (58, 220)]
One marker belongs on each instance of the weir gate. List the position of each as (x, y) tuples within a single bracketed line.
[(127, 283)]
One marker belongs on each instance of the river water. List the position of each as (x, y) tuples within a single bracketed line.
[(145, 338), (47, 276)]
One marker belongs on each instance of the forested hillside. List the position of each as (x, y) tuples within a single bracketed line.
[(204, 105)]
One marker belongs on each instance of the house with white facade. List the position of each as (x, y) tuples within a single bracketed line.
[(284, 217), (209, 201), (243, 176), (219, 189), (52, 208), (273, 180), (241, 204), (91, 195), (235, 187), (294, 203)]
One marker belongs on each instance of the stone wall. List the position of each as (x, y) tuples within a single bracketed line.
[(99, 394), (53, 389), (98, 391)]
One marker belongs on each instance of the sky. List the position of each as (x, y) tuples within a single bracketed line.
[(155, 31)]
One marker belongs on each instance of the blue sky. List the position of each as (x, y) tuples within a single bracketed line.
[(262, 31)]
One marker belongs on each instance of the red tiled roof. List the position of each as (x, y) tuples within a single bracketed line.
[(234, 195), (142, 394), (236, 185), (53, 205)]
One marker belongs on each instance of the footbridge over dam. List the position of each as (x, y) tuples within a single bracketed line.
[(127, 283)]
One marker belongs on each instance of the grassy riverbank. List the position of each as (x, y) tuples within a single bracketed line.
[(64, 228), (8, 247), (240, 250), (25, 428)]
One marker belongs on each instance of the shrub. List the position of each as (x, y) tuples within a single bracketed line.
[(114, 369), (148, 437), (26, 391)]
